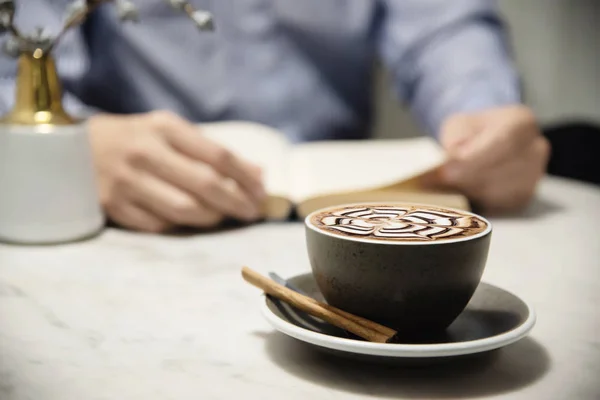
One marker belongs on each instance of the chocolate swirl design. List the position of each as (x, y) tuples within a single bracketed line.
[(399, 223)]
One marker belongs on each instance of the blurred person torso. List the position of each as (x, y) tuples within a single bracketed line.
[(303, 67)]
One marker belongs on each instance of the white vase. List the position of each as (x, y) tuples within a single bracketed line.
[(48, 190)]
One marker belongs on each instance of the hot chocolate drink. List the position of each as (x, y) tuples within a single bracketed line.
[(398, 223), (411, 267)]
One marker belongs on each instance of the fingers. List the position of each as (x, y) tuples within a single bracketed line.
[(246, 174), (457, 132), (187, 139), (479, 142), (502, 192), (171, 203), (506, 186), (197, 182), (499, 140), (148, 180), (225, 195), (134, 217)]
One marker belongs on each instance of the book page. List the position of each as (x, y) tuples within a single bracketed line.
[(327, 168), (259, 144)]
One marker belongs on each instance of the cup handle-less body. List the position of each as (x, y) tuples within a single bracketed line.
[(48, 189)]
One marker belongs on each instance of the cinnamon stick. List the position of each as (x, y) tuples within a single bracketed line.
[(360, 320), (359, 326)]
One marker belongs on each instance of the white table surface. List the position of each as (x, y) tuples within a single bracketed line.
[(134, 316)]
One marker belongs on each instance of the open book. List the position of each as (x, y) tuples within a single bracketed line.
[(313, 175)]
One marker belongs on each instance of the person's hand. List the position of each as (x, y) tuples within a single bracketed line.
[(156, 171), (496, 157)]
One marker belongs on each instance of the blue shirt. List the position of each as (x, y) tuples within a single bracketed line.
[(302, 66)]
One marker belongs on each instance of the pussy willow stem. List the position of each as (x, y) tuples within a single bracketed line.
[(15, 32), (189, 9), (74, 21), (81, 17)]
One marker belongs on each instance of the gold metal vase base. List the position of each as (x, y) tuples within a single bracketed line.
[(38, 93)]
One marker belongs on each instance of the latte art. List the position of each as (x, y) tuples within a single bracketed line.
[(399, 223)]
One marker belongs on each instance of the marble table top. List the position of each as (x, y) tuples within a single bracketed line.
[(134, 316)]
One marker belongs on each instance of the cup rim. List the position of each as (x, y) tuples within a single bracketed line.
[(481, 234)]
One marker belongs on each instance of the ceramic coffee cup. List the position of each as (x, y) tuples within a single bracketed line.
[(411, 267)]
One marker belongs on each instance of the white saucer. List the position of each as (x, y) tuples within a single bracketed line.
[(493, 319)]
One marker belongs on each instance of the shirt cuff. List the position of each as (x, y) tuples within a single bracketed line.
[(477, 95)]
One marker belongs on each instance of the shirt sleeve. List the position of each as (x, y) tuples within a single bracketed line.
[(447, 57), (70, 55)]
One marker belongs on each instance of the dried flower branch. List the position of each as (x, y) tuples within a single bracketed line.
[(202, 19), (11, 47), (7, 15), (76, 13), (127, 11)]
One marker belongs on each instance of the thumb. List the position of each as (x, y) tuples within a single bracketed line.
[(456, 132)]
